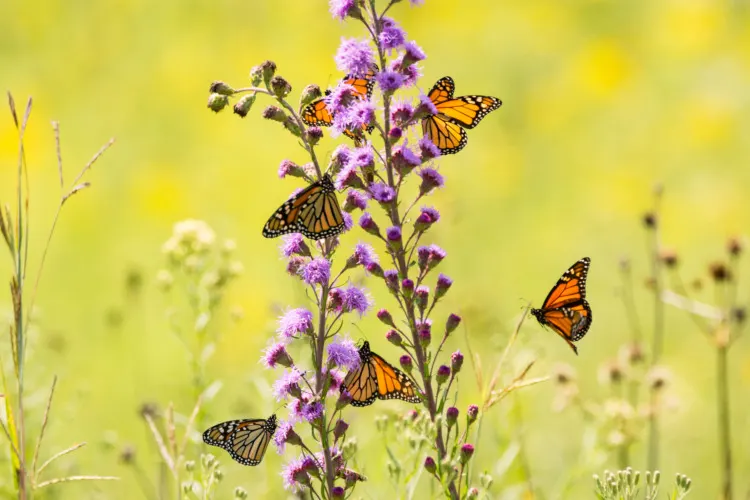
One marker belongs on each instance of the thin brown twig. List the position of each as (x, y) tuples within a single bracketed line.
[(45, 419)]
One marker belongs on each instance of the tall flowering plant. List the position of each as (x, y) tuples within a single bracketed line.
[(385, 179)]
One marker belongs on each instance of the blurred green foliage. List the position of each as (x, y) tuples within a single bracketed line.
[(602, 100)]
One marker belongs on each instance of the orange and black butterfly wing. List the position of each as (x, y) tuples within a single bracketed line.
[(362, 382), (392, 383), (442, 90), (316, 114), (363, 85), (448, 137), (468, 110), (314, 212), (565, 309), (245, 440)]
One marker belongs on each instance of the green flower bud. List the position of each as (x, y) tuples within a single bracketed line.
[(242, 107), (217, 102), (219, 87)]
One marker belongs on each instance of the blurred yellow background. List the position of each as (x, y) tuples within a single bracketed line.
[(602, 100)]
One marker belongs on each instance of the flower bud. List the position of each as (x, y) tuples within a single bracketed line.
[(289, 168), (268, 69), (219, 87), (467, 451), (425, 337), (340, 429), (393, 337), (274, 113), (338, 492), (457, 361), (294, 265), (393, 235), (369, 225), (391, 280), (190, 465), (452, 323), (314, 135), (291, 125), (668, 257), (407, 286), (429, 465), (240, 493), (242, 107), (374, 269), (385, 317), (451, 415), (472, 493), (649, 220), (395, 134), (344, 399), (406, 363), (217, 102), (218, 475), (734, 246), (720, 272), (443, 285), (422, 296), (472, 412), (309, 94), (443, 373)]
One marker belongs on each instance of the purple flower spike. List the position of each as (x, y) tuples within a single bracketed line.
[(354, 57), (348, 177), (295, 475), (340, 98), (428, 149), (443, 285), (294, 265), (427, 218), (472, 412), (357, 116), (343, 353), (294, 244), (363, 157), (288, 385), (317, 271), (394, 134), (382, 192), (276, 355), (369, 225), (391, 279), (354, 299), (288, 167), (404, 160), (348, 221), (295, 322), (340, 157), (356, 199), (431, 179), (425, 108), (340, 9), (390, 81), (364, 255)]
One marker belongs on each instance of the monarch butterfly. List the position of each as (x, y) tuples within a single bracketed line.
[(446, 129), (314, 212), (565, 309), (245, 440), (376, 378), (316, 113)]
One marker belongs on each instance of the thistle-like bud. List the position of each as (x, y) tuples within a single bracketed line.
[(374, 269), (280, 87), (190, 465), (457, 361), (217, 102), (407, 286), (268, 69), (720, 272), (369, 225), (668, 257), (394, 337), (391, 280), (467, 450), (340, 429), (393, 236), (289, 168), (406, 363), (451, 416), (219, 87), (274, 113), (344, 399), (314, 135), (309, 94), (472, 493), (452, 323), (242, 107), (291, 125), (422, 297), (240, 493), (218, 475), (430, 465), (472, 412), (338, 492), (385, 317), (443, 373)]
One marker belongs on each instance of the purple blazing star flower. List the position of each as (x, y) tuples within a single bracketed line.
[(404, 159), (276, 354), (457, 361), (360, 115), (348, 221), (343, 353), (342, 8), (340, 156), (354, 57), (428, 149), (431, 179), (412, 53), (437, 254), (336, 378), (348, 177), (293, 244), (389, 81), (393, 233), (340, 98), (312, 411), (285, 434), (316, 272), (363, 157), (294, 265), (356, 199), (382, 192), (366, 222), (364, 254), (354, 299), (295, 322), (429, 215), (338, 492), (395, 133), (426, 107), (401, 112), (392, 36), (286, 167), (288, 384), (405, 362), (295, 473)]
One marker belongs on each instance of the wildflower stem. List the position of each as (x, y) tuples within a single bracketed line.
[(725, 442), (320, 383), (658, 334)]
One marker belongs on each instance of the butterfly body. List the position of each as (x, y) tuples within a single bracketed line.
[(565, 309), (446, 128), (246, 440), (375, 379), (314, 212)]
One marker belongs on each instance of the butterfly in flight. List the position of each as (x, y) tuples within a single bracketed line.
[(314, 212), (375, 379), (446, 129), (316, 113), (245, 440), (565, 309)]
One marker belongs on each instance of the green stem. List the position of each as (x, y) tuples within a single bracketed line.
[(725, 442)]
